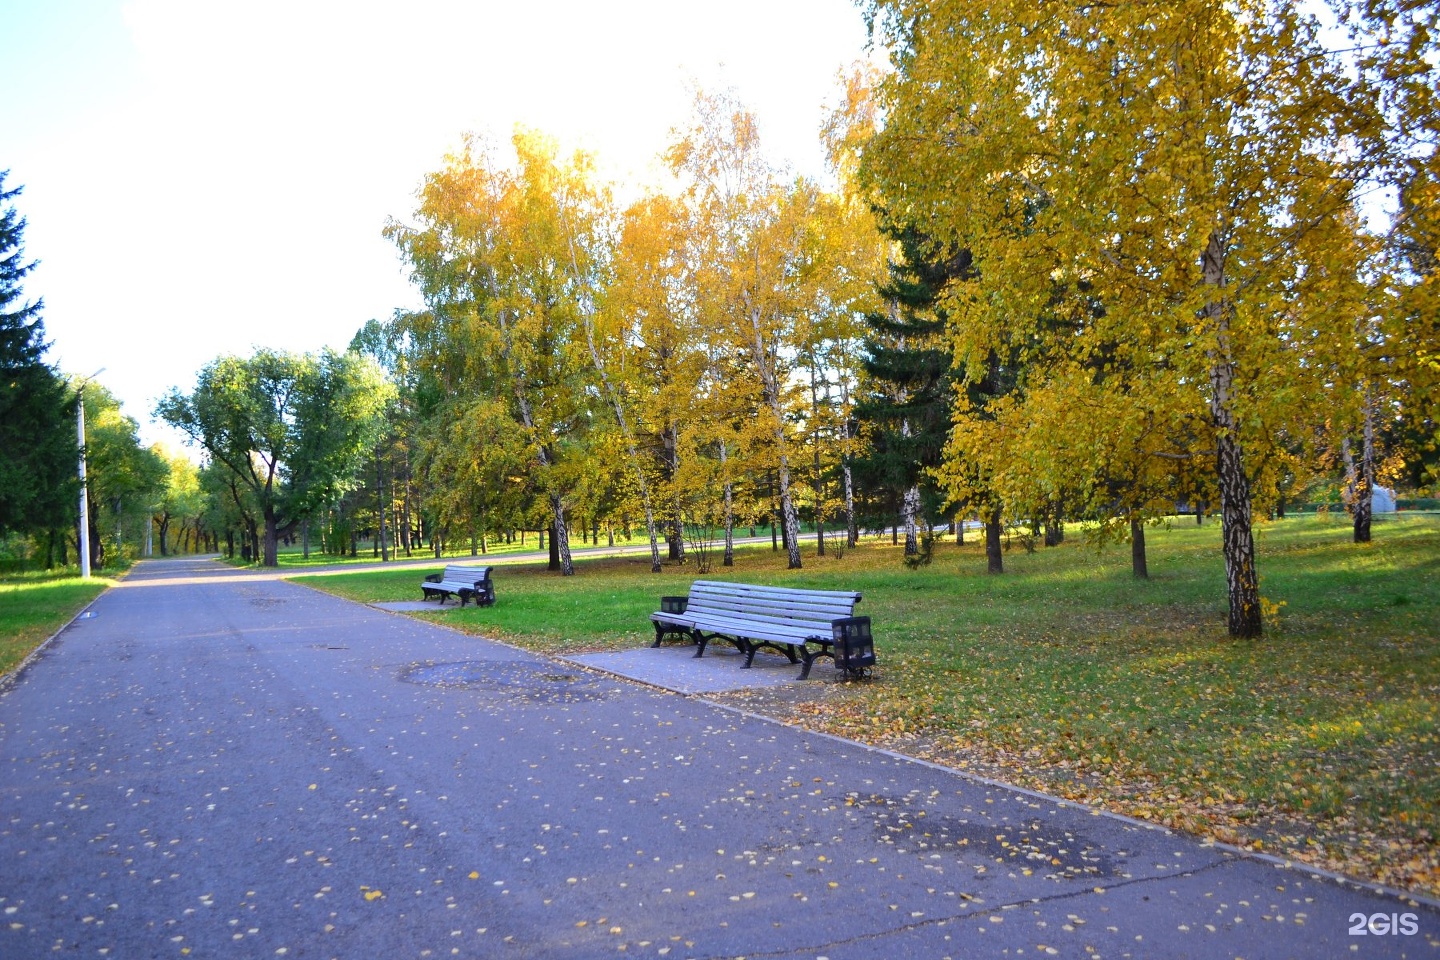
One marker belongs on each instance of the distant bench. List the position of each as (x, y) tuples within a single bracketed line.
[(467, 583), (785, 619)]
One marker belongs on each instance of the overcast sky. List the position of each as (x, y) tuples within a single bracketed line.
[(205, 177)]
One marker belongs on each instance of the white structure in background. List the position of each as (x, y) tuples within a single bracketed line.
[(1382, 500)]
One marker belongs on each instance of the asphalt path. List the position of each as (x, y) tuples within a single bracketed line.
[(211, 763)]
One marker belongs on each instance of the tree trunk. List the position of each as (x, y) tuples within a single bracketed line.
[(380, 498), (405, 538), (852, 527), (729, 558), (770, 384), (774, 516), (97, 542), (1137, 548), (1241, 577), (911, 512), (674, 531), (994, 558), (560, 539), (1054, 525), (1365, 489), (272, 537), (815, 467), (675, 540), (787, 513), (271, 546), (654, 538)]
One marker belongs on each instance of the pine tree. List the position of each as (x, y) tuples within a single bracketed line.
[(37, 473), (908, 367)]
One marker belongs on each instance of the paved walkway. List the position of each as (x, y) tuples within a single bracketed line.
[(220, 765)]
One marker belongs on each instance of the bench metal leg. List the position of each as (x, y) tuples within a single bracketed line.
[(662, 631), (702, 640), (750, 648), (810, 659)]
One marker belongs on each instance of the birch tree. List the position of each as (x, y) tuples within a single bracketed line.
[(494, 257), (749, 229), (638, 345), (1161, 154)]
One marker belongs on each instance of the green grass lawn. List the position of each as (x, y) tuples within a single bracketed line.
[(1318, 740), (35, 605)]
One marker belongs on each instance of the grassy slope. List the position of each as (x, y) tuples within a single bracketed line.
[(1067, 674), (34, 606)]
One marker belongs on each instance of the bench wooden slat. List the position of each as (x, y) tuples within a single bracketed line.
[(773, 610), (798, 627), (725, 589)]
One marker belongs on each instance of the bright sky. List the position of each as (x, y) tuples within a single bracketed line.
[(205, 177)]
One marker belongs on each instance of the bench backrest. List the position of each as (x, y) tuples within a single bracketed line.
[(781, 606), (456, 573)]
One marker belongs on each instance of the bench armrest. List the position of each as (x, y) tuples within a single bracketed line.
[(674, 604), (434, 577)]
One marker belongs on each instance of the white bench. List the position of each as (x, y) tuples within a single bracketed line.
[(786, 619), (467, 583)]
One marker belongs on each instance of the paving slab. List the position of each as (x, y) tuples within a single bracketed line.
[(677, 669), (410, 606)]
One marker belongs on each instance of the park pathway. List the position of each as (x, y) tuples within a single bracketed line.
[(215, 765)]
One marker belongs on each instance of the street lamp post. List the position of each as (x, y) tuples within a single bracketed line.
[(84, 490)]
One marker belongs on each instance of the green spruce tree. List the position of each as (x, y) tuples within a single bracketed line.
[(908, 367), (38, 483)]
